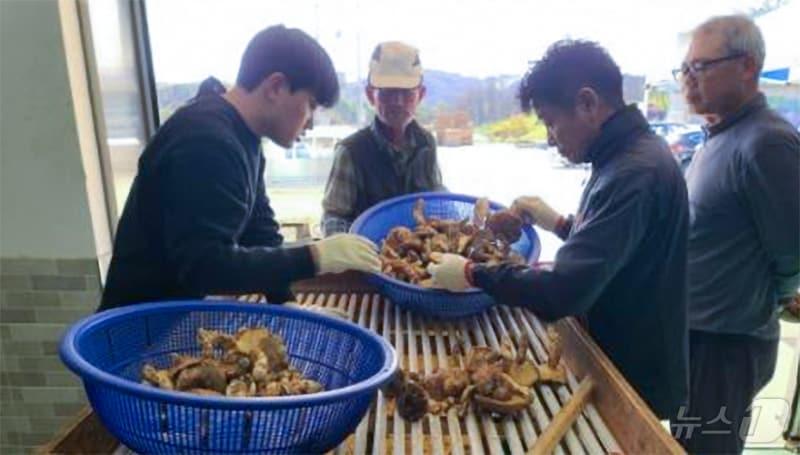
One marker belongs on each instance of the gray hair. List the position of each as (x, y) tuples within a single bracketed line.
[(741, 35)]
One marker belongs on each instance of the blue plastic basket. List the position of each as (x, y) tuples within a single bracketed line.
[(109, 349), (376, 223)]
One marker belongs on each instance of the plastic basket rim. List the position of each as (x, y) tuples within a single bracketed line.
[(89, 373), (356, 226)]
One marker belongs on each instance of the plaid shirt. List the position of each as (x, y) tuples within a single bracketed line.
[(342, 187)]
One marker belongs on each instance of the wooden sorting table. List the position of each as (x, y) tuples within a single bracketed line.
[(615, 421)]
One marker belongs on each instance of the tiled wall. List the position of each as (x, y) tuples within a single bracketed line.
[(39, 299)]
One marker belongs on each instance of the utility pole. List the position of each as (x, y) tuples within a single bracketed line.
[(316, 21), (359, 102)]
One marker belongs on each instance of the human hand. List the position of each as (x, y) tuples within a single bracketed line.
[(450, 273), (533, 209)]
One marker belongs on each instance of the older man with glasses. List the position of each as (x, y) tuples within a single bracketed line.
[(392, 156), (744, 235)]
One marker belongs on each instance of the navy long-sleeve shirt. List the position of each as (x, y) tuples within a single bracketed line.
[(623, 264), (197, 220), (744, 241)]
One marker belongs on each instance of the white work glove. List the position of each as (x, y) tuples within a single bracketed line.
[(535, 210), (450, 273), (342, 252)]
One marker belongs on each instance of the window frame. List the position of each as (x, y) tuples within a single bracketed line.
[(133, 11)]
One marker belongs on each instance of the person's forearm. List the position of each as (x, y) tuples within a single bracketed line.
[(222, 269), (564, 226), (536, 290)]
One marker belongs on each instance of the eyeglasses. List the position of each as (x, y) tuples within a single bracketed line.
[(389, 94), (698, 66)]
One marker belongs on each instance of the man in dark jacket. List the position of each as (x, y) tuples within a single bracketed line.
[(744, 235), (623, 263), (197, 220), (391, 157)]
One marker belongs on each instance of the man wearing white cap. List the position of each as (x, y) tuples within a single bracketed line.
[(391, 157)]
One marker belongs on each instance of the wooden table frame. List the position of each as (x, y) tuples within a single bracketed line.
[(634, 426)]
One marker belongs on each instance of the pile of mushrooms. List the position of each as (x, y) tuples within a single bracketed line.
[(251, 363), (486, 238), (494, 382)]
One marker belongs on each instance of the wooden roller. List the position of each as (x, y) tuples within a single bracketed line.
[(562, 421)]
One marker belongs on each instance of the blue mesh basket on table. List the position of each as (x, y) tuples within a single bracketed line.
[(107, 350), (376, 223)]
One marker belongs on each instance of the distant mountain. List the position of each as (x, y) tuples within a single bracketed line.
[(449, 89), (486, 100)]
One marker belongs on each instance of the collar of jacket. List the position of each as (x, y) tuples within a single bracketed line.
[(242, 130), (757, 103), (622, 126), (413, 135), (211, 87)]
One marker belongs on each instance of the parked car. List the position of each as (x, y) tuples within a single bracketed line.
[(683, 145), (665, 129)]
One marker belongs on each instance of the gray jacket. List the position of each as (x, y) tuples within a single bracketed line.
[(744, 237)]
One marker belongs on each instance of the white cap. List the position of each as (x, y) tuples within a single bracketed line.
[(395, 65)]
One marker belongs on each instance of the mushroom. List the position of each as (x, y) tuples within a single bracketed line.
[(506, 225), (240, 388), (504, 407), (412, 403), (253, 362), (480, 212), (212, 339), (419, 212), (260, 340), (524, 373), (498, 381), (201, 376), (407, 251), (553, 371), (446, 383), (160, 378)]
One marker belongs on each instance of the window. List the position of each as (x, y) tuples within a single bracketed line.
[(121, 96), (474, 54)]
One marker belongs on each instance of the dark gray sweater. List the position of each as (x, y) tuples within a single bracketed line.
[(623, 265), (744, 236)]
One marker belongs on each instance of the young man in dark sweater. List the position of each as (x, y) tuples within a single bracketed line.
[(197, 220), (623, 263)]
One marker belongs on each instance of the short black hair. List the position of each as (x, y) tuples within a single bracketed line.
[(294, 53), (568, 66)]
